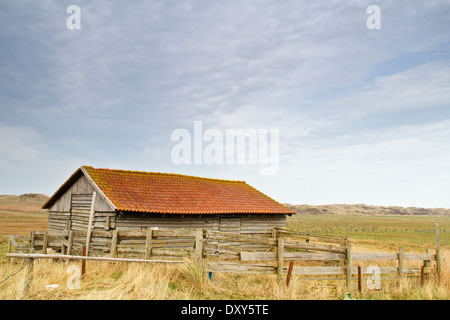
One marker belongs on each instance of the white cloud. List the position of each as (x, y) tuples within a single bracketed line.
[(19, 144), (422, 87)]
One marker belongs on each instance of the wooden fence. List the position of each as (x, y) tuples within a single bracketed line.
[(285, 253)]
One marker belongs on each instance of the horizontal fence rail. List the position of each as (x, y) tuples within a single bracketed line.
[(85, 258)]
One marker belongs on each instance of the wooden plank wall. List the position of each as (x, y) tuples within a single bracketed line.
[(251, 224), (262, 224), (230, 224), (140, 222)]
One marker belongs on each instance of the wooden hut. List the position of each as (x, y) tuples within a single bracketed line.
[(105, 199)]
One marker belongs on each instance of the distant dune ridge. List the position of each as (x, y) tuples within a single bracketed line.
[(35, 201), (362, 209), (24, 202)]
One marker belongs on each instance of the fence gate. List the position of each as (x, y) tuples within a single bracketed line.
[(80, 207)]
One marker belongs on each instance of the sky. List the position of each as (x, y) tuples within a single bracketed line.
[(353, 112)]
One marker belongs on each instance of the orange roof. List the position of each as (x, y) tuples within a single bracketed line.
[(179, 194)]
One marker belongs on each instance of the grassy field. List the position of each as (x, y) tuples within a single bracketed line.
[(417, 232), (189, 281), (21, 222)]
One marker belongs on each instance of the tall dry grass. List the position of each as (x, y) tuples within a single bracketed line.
[(135, 281), (108, 281)]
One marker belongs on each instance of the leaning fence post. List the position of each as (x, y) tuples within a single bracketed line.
[(28, 277), (349, 266), (280, 259), (288, 277), (90, 223)]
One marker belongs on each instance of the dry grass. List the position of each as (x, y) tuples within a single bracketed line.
[(104, 281), (134, 281)]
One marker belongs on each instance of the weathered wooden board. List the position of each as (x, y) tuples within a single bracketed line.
[(231, 237), (294, 256), (314, 247), (240, 268)]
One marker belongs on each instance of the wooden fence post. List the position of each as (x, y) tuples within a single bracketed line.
[(199, 244), (114, 240), (438, 264), (148, 243), (32, 234), (280, 259), (348, 267), (436, 225), (422, 275), (83, 262), (12, 242), (45, 243), (274, 232), (9, 245), (400, 262), (343, 244), (70, 243), (438, 252), (426, 263), (343, 241), (359, 279), (28, 278)]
